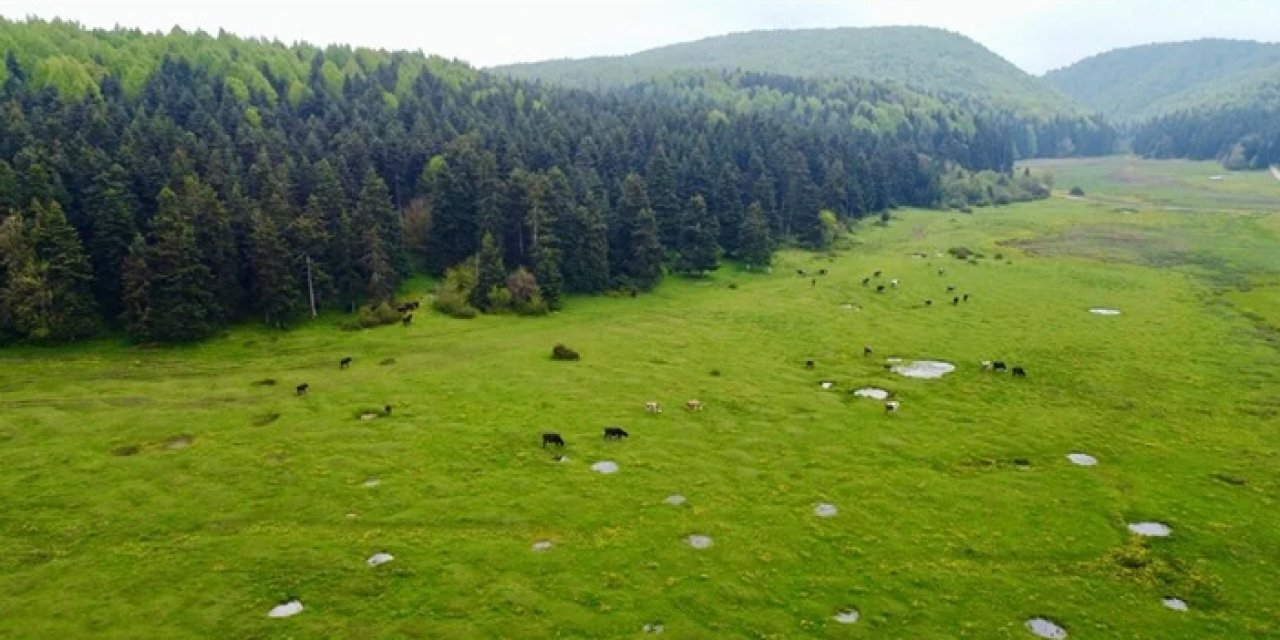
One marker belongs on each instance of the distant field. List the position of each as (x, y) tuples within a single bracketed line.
[(1177, 184), (171, 493)]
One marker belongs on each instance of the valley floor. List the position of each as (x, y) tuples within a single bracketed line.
[(176, 493)]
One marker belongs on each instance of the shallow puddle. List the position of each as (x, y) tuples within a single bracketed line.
[(605, 466), (654, 627), (1177, 604), (372, 482), (542, 545), (924, 369), (290, 608), (825, 510), (378, 559), (1046, 628), (848, 616), (1102, 311), (1082, 459), (699, 541), (1150, 529), (871, 392), (675, 500)]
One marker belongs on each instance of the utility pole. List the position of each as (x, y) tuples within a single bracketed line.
[(311, 290)]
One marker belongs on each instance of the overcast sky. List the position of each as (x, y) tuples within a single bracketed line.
[(1037, 35)]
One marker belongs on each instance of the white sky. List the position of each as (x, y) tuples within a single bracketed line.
[(1037, 35)]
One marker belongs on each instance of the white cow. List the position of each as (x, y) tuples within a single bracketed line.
[(652, 406), (891, 406)]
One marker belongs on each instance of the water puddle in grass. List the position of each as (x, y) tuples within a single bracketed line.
[(372, 482), (825, 510), (848, 616), (542, 545), (698, 541), (1082, 459), (924, 369), (871, 392), (675, 500), (1046, 628), (379, 559), (1103, 311), (654, 627), (179, 442), (290, 608), (605, 466), (1150, 529), (1177, 604)]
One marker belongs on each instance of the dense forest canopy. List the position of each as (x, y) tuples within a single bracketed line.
[(946, 66), (171, 184)]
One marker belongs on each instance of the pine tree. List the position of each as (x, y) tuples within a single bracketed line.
[(374, 207), (135, 289), (489, 272), (585, 263), (275, 290), (218, 250), (546, 268), (308, 237), (634, 200), (698, 232), (113, 228), (755, 248), (645, 267), (453, 224), (182, 307)]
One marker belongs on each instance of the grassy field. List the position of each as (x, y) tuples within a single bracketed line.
[(1167, 184), (959, 516)]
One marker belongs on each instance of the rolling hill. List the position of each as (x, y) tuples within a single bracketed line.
[(923, 58), (1139, 83)]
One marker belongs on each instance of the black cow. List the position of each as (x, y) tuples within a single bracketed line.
[(928, 303), (386, 409), (615, 433), (955, 300), (799, 272), (866, 351), (813, 282), (966, 297), (303, 388), (808, 364), (879, 288), (998, 365), (950, 288), (404, 308), (1019, 372), (552, 438), (407, 320), (877, 273), (866, 281), (344, 363), (822, 272)]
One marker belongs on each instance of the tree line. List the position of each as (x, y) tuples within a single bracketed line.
[(169, 185)]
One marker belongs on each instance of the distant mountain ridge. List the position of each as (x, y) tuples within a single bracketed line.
[(922, 58), (1138, 83)]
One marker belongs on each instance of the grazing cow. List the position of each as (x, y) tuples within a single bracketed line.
[(693, 405), (879, 288), (813, 282), (866, 281), (950, 288), (866, 351), (553, 439), (877, 273), (895, 283), (344, 363), (891, 406), (615, 433), (407, 320), (303, 388), (955, 300), (986, 365), (652, 407), (414, 305), (799, 272), (808, 364), (928, 303), (998, 365), (1019, 372), (822, 272), (941, 271), (966, 297), (386, 409)]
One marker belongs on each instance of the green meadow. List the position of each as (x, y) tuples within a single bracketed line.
[(177, 493)]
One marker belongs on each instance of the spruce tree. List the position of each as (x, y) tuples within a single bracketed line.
[(489, 272), (217, 243), (660, 181), (634, 200), (698, 232), (276, 297), (112, 228), (585, 262), (182, 307), (755, 248), (644, 269), (546, 268), (309, 238), (375, 265), (67, 275), (374, 207), (135, 289), (725, 204)]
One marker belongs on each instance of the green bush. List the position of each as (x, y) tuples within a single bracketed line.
[(371, 316), (1077, 191), (534, 306)]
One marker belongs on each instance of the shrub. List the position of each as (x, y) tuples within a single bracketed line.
[(453, 296), (533, 306), (733, 285), (499, 299), (371, 316), (960, 253), (1076, 191), (561, 352), (454, 305)]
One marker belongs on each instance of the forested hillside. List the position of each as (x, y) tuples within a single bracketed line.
[(171, 184), (948, 66), (1205, 99)]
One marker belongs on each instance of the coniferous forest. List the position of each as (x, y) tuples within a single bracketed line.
[(168, 185)]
